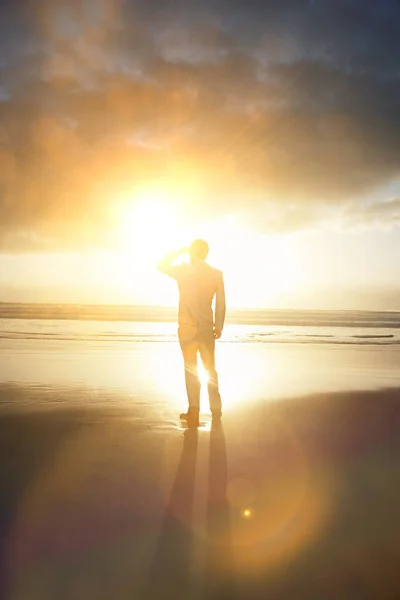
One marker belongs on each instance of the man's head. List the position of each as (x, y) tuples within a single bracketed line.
[(198, 250)]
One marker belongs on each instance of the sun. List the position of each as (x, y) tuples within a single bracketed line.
[(258, 269), (147, 224), (150, 227)]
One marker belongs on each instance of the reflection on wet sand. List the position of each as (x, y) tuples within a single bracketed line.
[(100, 505), (27, 447)]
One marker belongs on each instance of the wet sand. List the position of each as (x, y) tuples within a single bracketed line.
[(296, 498)]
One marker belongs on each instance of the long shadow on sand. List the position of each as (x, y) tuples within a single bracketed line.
[(219, 553), (170, 573)]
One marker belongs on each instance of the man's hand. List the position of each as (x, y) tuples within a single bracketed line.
[(165, 264), (217, 333)]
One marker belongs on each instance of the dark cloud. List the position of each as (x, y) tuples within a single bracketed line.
[(298, 102)]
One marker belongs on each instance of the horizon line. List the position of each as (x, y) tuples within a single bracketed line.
[(173, 308)]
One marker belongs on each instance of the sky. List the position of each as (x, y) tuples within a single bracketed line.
[(270, 128)]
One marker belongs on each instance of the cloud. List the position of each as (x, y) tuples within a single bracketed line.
[(372, 215), (294, 105)]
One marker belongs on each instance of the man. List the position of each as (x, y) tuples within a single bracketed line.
[(198, 283)]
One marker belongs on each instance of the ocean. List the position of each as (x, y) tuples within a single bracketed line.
[(131, 324)]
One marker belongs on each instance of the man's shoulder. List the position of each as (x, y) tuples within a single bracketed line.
[(215, 270), (215, 273), (204, 270)]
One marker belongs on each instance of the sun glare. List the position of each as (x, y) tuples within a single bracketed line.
[(157, 219), (150, 227)]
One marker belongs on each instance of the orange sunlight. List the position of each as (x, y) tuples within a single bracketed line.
[(157, 219)]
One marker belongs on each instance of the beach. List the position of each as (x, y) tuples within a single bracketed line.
[(105, 493), (181, 180), (293, 498)]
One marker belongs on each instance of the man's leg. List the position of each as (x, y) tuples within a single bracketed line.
[(207, 354), (189, 351)]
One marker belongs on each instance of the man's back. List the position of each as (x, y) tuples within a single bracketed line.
[(198, 284)]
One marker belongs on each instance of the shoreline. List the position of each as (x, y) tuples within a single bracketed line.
[(168, 314)]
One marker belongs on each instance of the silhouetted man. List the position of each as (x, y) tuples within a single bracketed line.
[(198, 284)]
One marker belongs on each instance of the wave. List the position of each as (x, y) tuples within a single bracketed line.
[(270, 317), (373, 336), (263, 338)]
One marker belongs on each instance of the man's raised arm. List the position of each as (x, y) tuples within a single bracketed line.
[(220, 309), (165, 265)]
